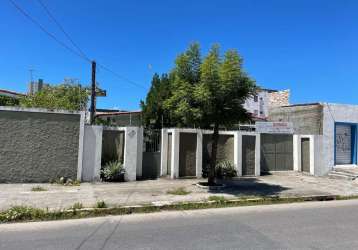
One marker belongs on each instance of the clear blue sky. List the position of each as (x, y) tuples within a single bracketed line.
[(308, 46)]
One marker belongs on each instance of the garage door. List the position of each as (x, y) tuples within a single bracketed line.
[(276, 152), (187, 154), (343, 144)]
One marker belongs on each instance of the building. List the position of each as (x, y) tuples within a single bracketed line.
[(9, 98), (119, 117), (36, 86), (260, 104), (334, 127), (12, 94)]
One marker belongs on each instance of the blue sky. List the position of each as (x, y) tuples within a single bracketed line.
[(310, 47)]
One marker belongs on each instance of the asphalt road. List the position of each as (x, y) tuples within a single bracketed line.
[(314, 225)]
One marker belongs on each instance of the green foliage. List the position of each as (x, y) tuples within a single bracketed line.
[(8, 101), (225, 169), (65, 181), (101, 204), (19, 213), (65, 96), (38, 189), (113, 171), (220, 199), (154, 114), (178, 191)]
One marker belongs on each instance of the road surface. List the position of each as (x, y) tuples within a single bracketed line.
[(314, 225)]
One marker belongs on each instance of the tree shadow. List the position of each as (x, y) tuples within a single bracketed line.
[(248, 187)]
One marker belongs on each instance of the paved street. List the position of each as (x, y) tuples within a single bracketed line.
[(314, 225)]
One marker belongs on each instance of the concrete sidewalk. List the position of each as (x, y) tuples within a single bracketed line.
[(287, 184)]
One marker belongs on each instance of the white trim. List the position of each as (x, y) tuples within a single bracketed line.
[(199, 154), (80, 146)]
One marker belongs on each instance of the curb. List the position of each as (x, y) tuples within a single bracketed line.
[(151, 208)]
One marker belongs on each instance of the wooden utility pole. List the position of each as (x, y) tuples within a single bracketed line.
[(93, 93)]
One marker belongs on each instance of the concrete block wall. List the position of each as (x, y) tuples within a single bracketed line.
[(38, 145)]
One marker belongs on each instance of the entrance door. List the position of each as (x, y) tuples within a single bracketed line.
[(187, 154), (305, 154), (248, 154), (343, 144)]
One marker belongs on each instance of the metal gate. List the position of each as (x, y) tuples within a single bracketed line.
[(305, 154), (343, 144), (187, 154), (151, 153), (276, 152), (248, 154)]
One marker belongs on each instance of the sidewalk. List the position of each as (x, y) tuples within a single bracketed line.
[(288, 184)]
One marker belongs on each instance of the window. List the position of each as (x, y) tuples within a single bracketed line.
[(255, 98), (256, 112)]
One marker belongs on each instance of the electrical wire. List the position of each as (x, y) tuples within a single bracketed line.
[(78, 53), (62, 29)]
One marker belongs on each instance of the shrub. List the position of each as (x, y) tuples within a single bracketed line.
[(18, 213), (65, 181), (225, 169), (101, 204), (113, 171), (178, 191), (38, 189)]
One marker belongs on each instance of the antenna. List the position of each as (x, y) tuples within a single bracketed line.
[(31, 75)]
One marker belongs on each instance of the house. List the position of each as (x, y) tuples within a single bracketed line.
[(333, 130), (265, 99), (120, 117)]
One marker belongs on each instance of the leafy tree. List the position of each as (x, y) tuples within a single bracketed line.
[(222, 91), (8, 101), (154, 114), (181, 105), (64, 96)]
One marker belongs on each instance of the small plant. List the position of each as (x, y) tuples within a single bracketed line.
[(38, 189), (178, 191), (18, 213), (101, 204), (113, 171), (216, 198), (225, 169), (77, 205)]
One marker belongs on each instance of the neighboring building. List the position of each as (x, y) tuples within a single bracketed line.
[(260, 104), (35, 87), (335, 127), (9, 98), (4, 92)]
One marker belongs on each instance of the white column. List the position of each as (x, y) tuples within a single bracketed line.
[(296, 153), (80, 145), (164, 153), (175, 154), (238, 153), (132, 153), (140, 152), (199, 153), (312, 153), (258, 155)]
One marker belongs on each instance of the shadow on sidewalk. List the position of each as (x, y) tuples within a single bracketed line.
[(249, 187)]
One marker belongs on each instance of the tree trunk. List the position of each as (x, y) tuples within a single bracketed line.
[(214, 149)]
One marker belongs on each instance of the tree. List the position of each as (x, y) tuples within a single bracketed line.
[(222, 91), (181, 105), (8, 101), (153, 113), (64, 96)]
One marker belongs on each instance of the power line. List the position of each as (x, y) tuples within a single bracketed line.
[(45, 31), (80, 53), (121, 76), (62, 29)]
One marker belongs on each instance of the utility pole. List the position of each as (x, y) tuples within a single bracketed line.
[(93, 93)]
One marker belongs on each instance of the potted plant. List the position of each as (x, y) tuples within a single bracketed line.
[(113, 171)]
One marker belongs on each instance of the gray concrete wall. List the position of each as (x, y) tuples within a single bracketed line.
[(38, 145), (92, 153), (306, 119), (334, 113)]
